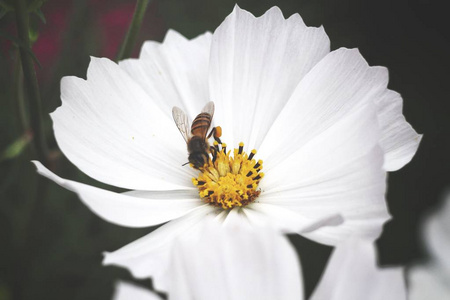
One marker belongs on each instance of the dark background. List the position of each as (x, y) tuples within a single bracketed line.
[(51, 244)]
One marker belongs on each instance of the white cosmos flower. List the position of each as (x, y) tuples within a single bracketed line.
[(324, 123), (431, 279)]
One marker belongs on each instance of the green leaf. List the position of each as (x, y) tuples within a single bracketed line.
[(41, 16), (33, 34), (16, 148), (35, 8), (35, 5)]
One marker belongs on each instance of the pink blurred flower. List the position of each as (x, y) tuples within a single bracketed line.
[(113, 25)]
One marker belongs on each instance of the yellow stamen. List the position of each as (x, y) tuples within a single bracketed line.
[(230, 181)]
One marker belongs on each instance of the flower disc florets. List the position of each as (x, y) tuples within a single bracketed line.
[(230, 181)]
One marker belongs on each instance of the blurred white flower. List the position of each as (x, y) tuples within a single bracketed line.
[(324, 122), (431, 279), (352, 273), (428, 281)]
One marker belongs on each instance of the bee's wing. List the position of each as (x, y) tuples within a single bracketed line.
[(209, 108), (182, 122)]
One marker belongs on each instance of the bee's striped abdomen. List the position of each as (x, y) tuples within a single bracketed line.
[(201, 124)]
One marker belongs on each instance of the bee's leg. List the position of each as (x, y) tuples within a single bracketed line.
[(216, 132), (213, 131), (214, 153)]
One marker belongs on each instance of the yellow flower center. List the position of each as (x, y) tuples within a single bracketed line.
[(229, 181)]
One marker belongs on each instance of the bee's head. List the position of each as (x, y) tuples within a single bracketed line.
[(198, 159)]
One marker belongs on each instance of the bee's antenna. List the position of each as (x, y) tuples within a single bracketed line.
[(184, 164)]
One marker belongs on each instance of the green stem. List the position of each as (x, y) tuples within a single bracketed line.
[(130, 38), (18, 96), (30, 82)]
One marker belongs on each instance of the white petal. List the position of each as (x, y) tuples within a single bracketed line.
[(256, 63), (335, 88), (436, 234), (149, 255), (399, 140), (336, 172), (233, 262), (352, 274), (286, 220), (236, 217), (174, 73), (132, 209), (428, 282), (129, 291), (110, 129)]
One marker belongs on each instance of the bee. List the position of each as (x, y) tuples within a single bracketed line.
[(196, 135)]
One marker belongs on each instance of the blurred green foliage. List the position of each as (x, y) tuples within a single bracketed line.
[(51, 244)]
